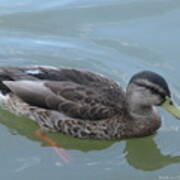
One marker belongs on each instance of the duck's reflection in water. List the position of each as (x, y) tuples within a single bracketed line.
[(144, 154), (140, 153)]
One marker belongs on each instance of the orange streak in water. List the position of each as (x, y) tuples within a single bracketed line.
[(57, 148)]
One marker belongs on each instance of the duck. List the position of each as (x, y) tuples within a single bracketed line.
[(86, 104)]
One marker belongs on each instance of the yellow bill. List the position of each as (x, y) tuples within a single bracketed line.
[(171, 107)]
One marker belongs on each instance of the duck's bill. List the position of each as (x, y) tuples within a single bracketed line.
[(171, 107)]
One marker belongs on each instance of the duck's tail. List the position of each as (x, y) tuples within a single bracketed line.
[(11, 74), (4, 90)]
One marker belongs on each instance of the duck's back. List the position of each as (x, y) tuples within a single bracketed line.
[(75, 93)]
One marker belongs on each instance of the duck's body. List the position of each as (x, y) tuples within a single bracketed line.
[(75, 102)]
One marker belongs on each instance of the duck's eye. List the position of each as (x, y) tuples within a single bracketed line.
[(171, 103), (153, 90)]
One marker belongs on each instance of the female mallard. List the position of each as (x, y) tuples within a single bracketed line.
[(85, 104)]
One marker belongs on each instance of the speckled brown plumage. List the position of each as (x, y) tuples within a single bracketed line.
[(74, 102)]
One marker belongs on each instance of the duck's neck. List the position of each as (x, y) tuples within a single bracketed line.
[(136, 107), (137, 103), (139, 109), (145, 118)]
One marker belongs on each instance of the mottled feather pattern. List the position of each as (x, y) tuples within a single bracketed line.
[(54, 121)]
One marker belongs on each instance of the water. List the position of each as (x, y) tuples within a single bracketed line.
[(113, 37)]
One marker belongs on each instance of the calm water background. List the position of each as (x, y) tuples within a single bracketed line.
[(113, 37)]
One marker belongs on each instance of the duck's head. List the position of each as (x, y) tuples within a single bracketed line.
[(147, 89)]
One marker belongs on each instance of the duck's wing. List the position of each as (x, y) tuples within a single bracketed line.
[(87, 102), (69, 98)]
